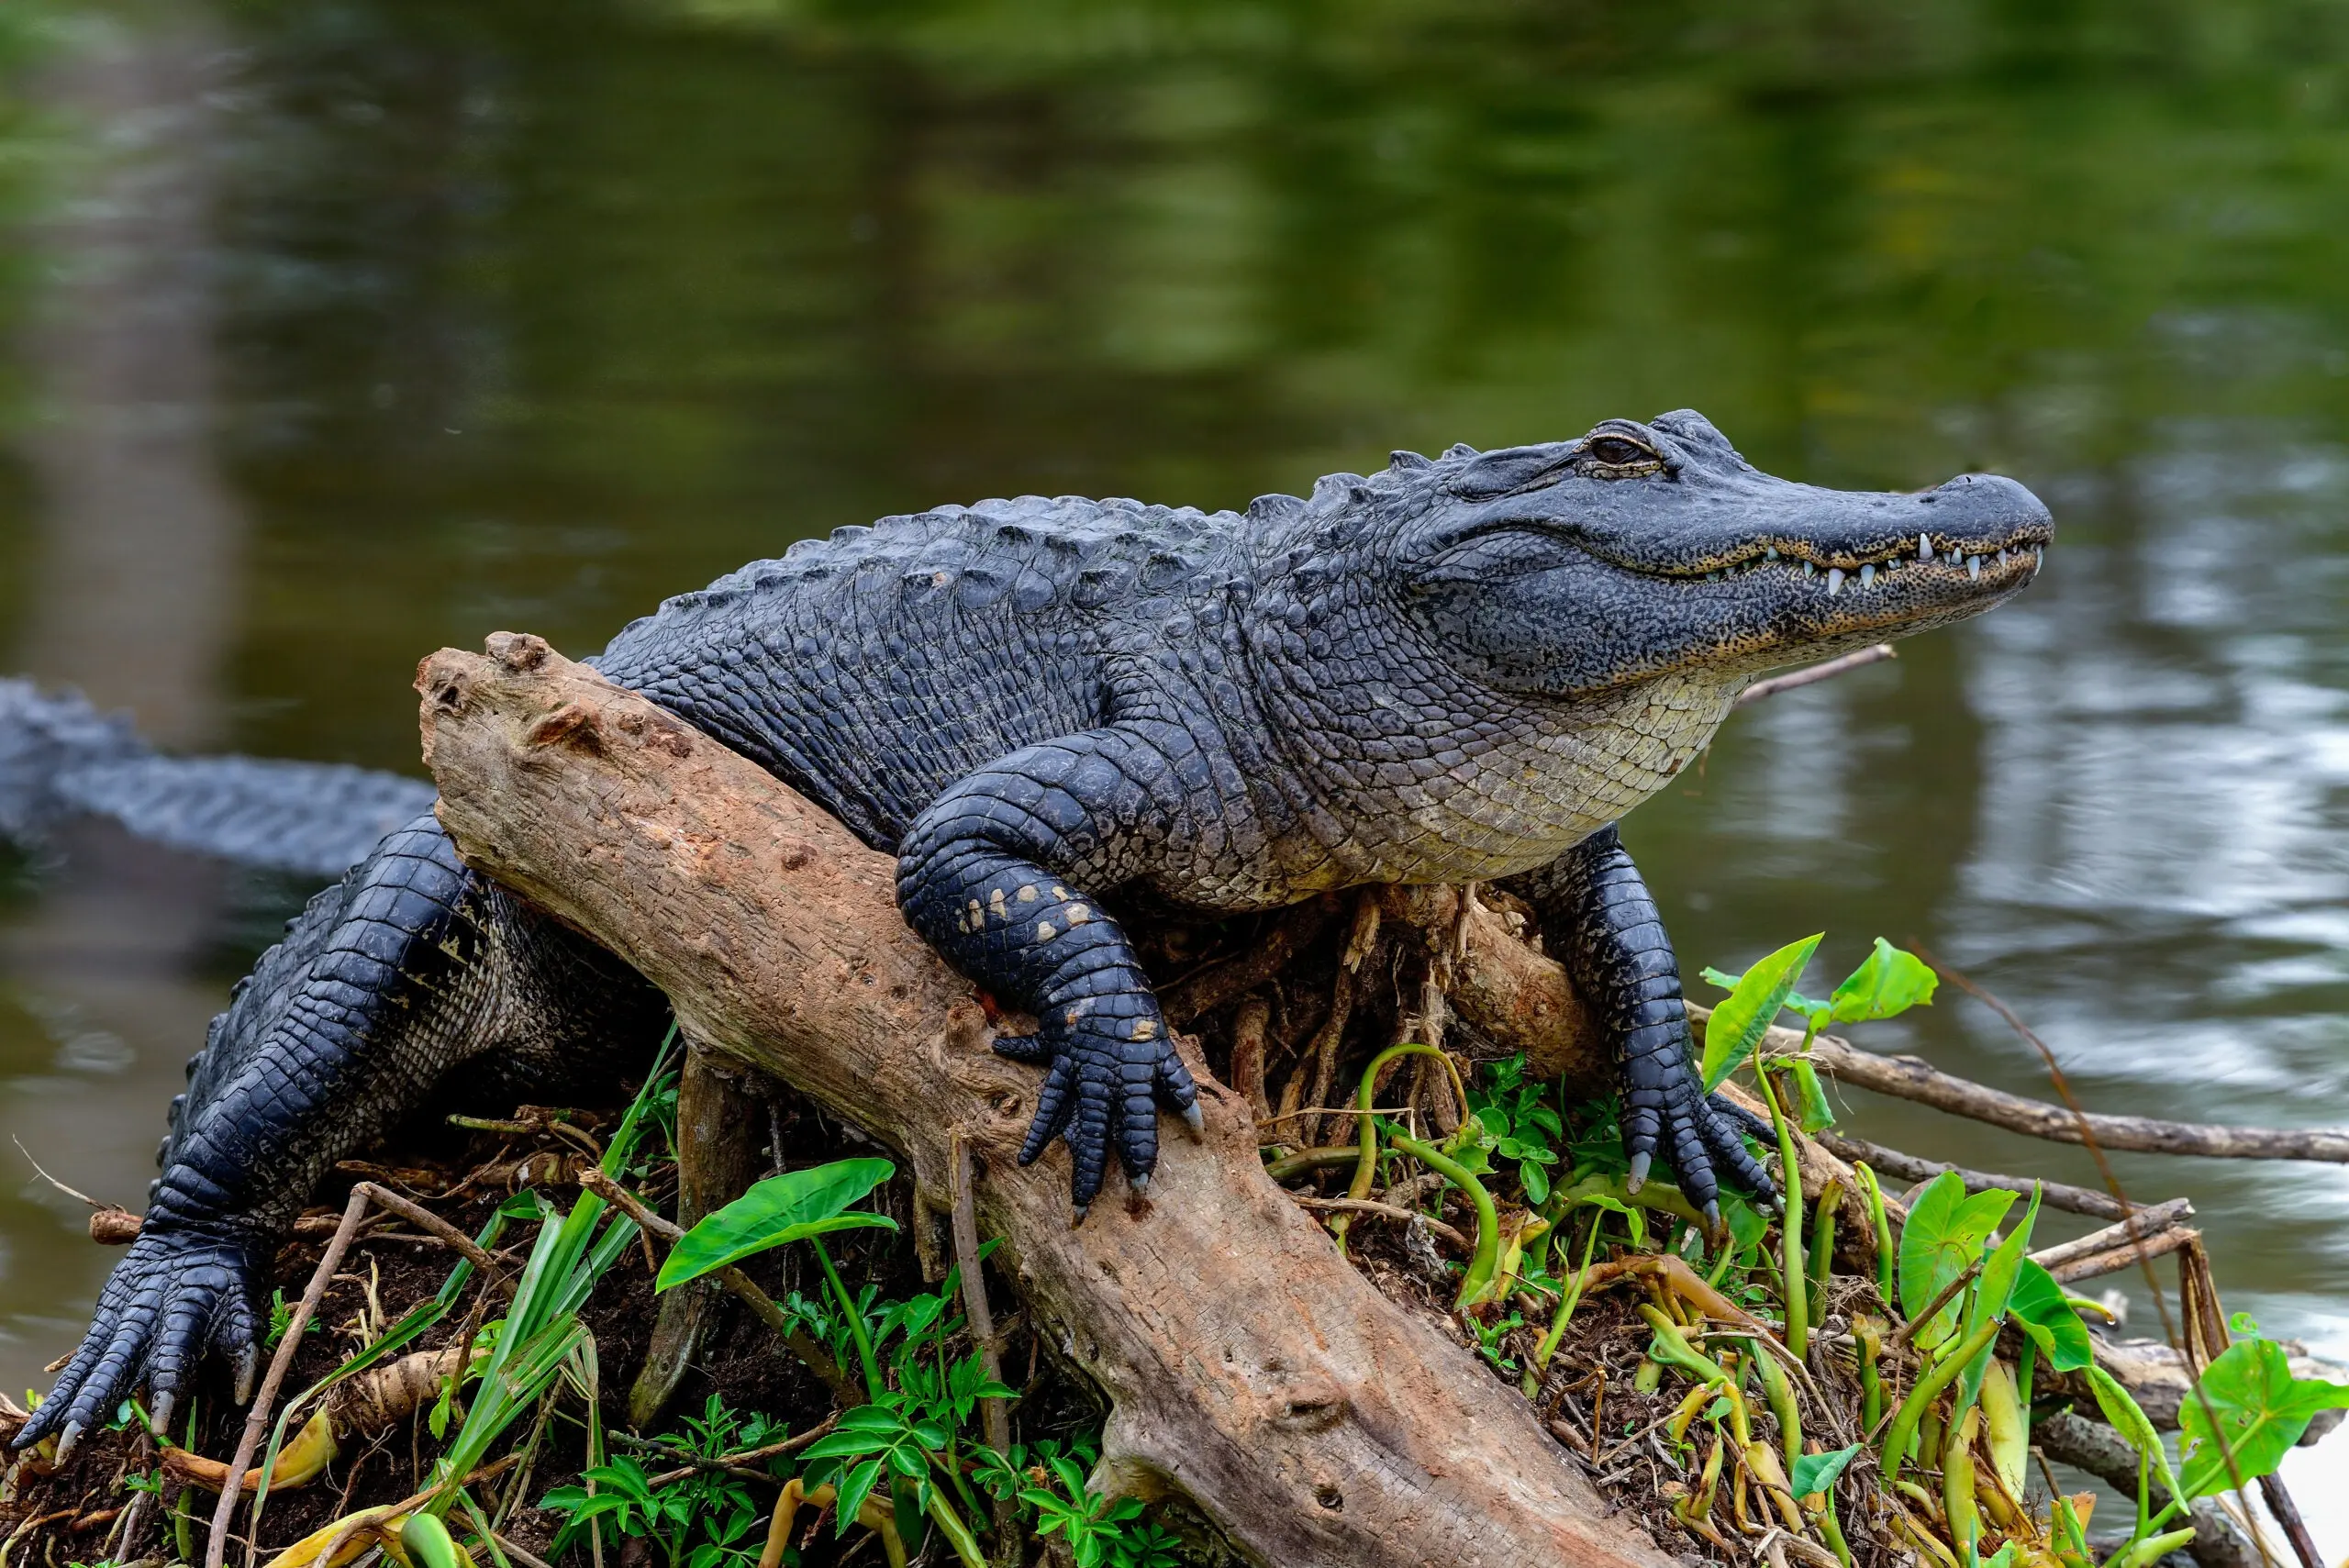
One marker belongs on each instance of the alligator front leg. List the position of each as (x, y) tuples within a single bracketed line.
[(996, 876), (1600, 920)]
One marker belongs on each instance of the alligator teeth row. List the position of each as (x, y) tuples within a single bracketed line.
[(1837, 577)]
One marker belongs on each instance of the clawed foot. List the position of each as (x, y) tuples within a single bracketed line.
[(1702, 1136), (174, 1294), (1106, 1078)]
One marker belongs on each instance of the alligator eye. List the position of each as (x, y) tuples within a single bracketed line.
[(1620, 452)]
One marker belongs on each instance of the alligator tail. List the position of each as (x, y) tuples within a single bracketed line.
[(60, 757)]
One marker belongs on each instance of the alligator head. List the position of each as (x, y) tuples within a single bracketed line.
[(1641, 551)]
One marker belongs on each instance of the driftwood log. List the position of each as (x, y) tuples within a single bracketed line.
[(1247, 1366)]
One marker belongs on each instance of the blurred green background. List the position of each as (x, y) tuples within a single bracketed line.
[(336, 332)]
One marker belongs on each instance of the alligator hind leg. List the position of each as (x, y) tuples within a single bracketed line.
[(406, 968), (1600, 921)]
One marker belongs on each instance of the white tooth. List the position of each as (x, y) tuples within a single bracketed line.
[(1867, 576), (1924, 548), (1771, 553), (1973, 567), (1809, 569), (2004, 555), (1834, 580)]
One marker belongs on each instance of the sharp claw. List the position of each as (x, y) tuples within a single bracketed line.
[(1713, 1223), (159, 1418), (1195, 1119), (1077, 1213), (1639, 1176), (1140, 1185), (66, 1439), (247, 1365)]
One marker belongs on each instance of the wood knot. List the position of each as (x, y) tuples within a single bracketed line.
[(1310, 1404), (114, 1227), (568, 725), (657, 731), (517, 651), (797, 854)]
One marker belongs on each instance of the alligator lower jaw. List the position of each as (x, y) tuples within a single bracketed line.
[(1990, 568)]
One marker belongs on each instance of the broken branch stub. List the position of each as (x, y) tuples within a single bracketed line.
[(1247, 1365)]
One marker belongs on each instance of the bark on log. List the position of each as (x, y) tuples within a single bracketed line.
[(1247, 1366)]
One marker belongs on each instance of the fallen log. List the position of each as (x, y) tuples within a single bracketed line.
[(1248, 1367)]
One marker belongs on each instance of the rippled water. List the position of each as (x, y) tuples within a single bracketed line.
[(341, 331)]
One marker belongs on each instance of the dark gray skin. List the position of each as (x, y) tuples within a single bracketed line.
[(1464, 668)]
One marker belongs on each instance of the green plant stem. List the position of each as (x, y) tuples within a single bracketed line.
[(873, 1387), (1822, 1247), (958, 1534), (1795, 1268), (2023, 1369), (1488, 1222), (1367, 1167), (1572, 1299), (1940, 1375), (1884, 1254), (1780, 1395), (1831, 1527)]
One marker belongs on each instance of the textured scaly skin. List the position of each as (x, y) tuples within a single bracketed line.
[(1457, 669)]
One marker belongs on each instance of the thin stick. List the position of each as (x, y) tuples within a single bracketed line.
[(1384, 1211), (257, 1420), (1915, 1168), (2141, 1249), (1910, 1078), (70, 1192), (1816, 673), (492, 1270), (995, 1413), (2161, 1216), (1901, 1336)]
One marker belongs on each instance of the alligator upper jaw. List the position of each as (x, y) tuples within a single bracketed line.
[(1955, 570)]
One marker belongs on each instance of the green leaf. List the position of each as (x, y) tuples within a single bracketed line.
[(2124, 1415), (853, 1489), (1889, 981), (1992, 1292), (1536, 1182), (2262, 1411), (1817, 1472), (1817, 1114), (1945, 1234), (776, 1212), (425, 1541), (2039, 1304), (1739, 1023)]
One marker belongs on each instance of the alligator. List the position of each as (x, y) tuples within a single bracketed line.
[(1464, 668)]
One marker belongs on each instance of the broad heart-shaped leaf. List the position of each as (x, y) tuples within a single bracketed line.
[(1817, 1472), (2125, 1416), (775, 1212), (2053, 1324), (1739, 1023), (1889, 981), (1795, 1001), (1943, 1236), (2262, 1410)]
